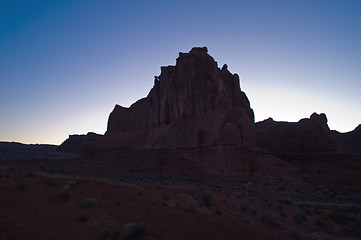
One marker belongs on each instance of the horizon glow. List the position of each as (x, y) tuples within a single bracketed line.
[(64, 64)]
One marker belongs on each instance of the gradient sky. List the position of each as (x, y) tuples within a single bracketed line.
[(65, 64)]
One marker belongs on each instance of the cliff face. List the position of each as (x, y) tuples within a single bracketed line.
[(192, 104)]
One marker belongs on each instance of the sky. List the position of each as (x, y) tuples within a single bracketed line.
[(64, 64)]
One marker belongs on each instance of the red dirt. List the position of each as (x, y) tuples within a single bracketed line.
[(238, 210)]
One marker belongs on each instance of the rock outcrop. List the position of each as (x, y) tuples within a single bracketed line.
[(350, 142), (307, 135), (75, 143), (192, 104)]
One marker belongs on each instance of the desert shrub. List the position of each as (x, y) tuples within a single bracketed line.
[(117, 202), (317, 211), (106, 233), (320, 223), (165, 197), (218, 212), (11, 169), (308, 212), (295, 234), (134, 231), (282, 213), (351, 230), (22, 185), (99, 194), (270, 221), (88, 202), (356, 209), (254, 212), (50, 182), (70, 185), (299, 218), (280, 207), (65, 194), (206, 200), (242, 207), (30, 175), (285, 201), (204, 212), (84, 216), (338, 217), (192, 205)]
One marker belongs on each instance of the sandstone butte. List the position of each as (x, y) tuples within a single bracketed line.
[(198, 113)]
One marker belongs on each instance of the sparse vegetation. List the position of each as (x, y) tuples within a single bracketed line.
[(299, 218), (106, 233), (134, 231), (84, 216), (117, 202), (206, 200), (89, 202), (296, 234), (338, 217), (270, 221), (22, 185), (50, 182), (204, 212), (65, 194), (285, 201), (320, 223), (192, 205), (30, 175)]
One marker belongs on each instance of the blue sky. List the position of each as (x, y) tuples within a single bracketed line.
[(65, 64)]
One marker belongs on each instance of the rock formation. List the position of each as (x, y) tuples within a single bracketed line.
[(191, 104), (349, 142), (75, 143), (307, 135)]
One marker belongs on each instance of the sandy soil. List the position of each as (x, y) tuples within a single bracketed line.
[(173, 207)]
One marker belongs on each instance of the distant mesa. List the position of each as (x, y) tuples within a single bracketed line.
[(19, 151)]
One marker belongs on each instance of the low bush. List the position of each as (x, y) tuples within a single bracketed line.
[(22, 185), (206, 200), (270, 221), (192, 205), (134, 231), (50, 182), (84, 216), (338, 217), (65, 194), (88, 202), (295, 234), (299, 218), (106, 233)]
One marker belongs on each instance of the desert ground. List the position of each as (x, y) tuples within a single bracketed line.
[(92, 199)]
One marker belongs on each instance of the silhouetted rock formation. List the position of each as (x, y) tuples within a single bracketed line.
[(192, 104), (307, 135), (349, 142), (75, 143)]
